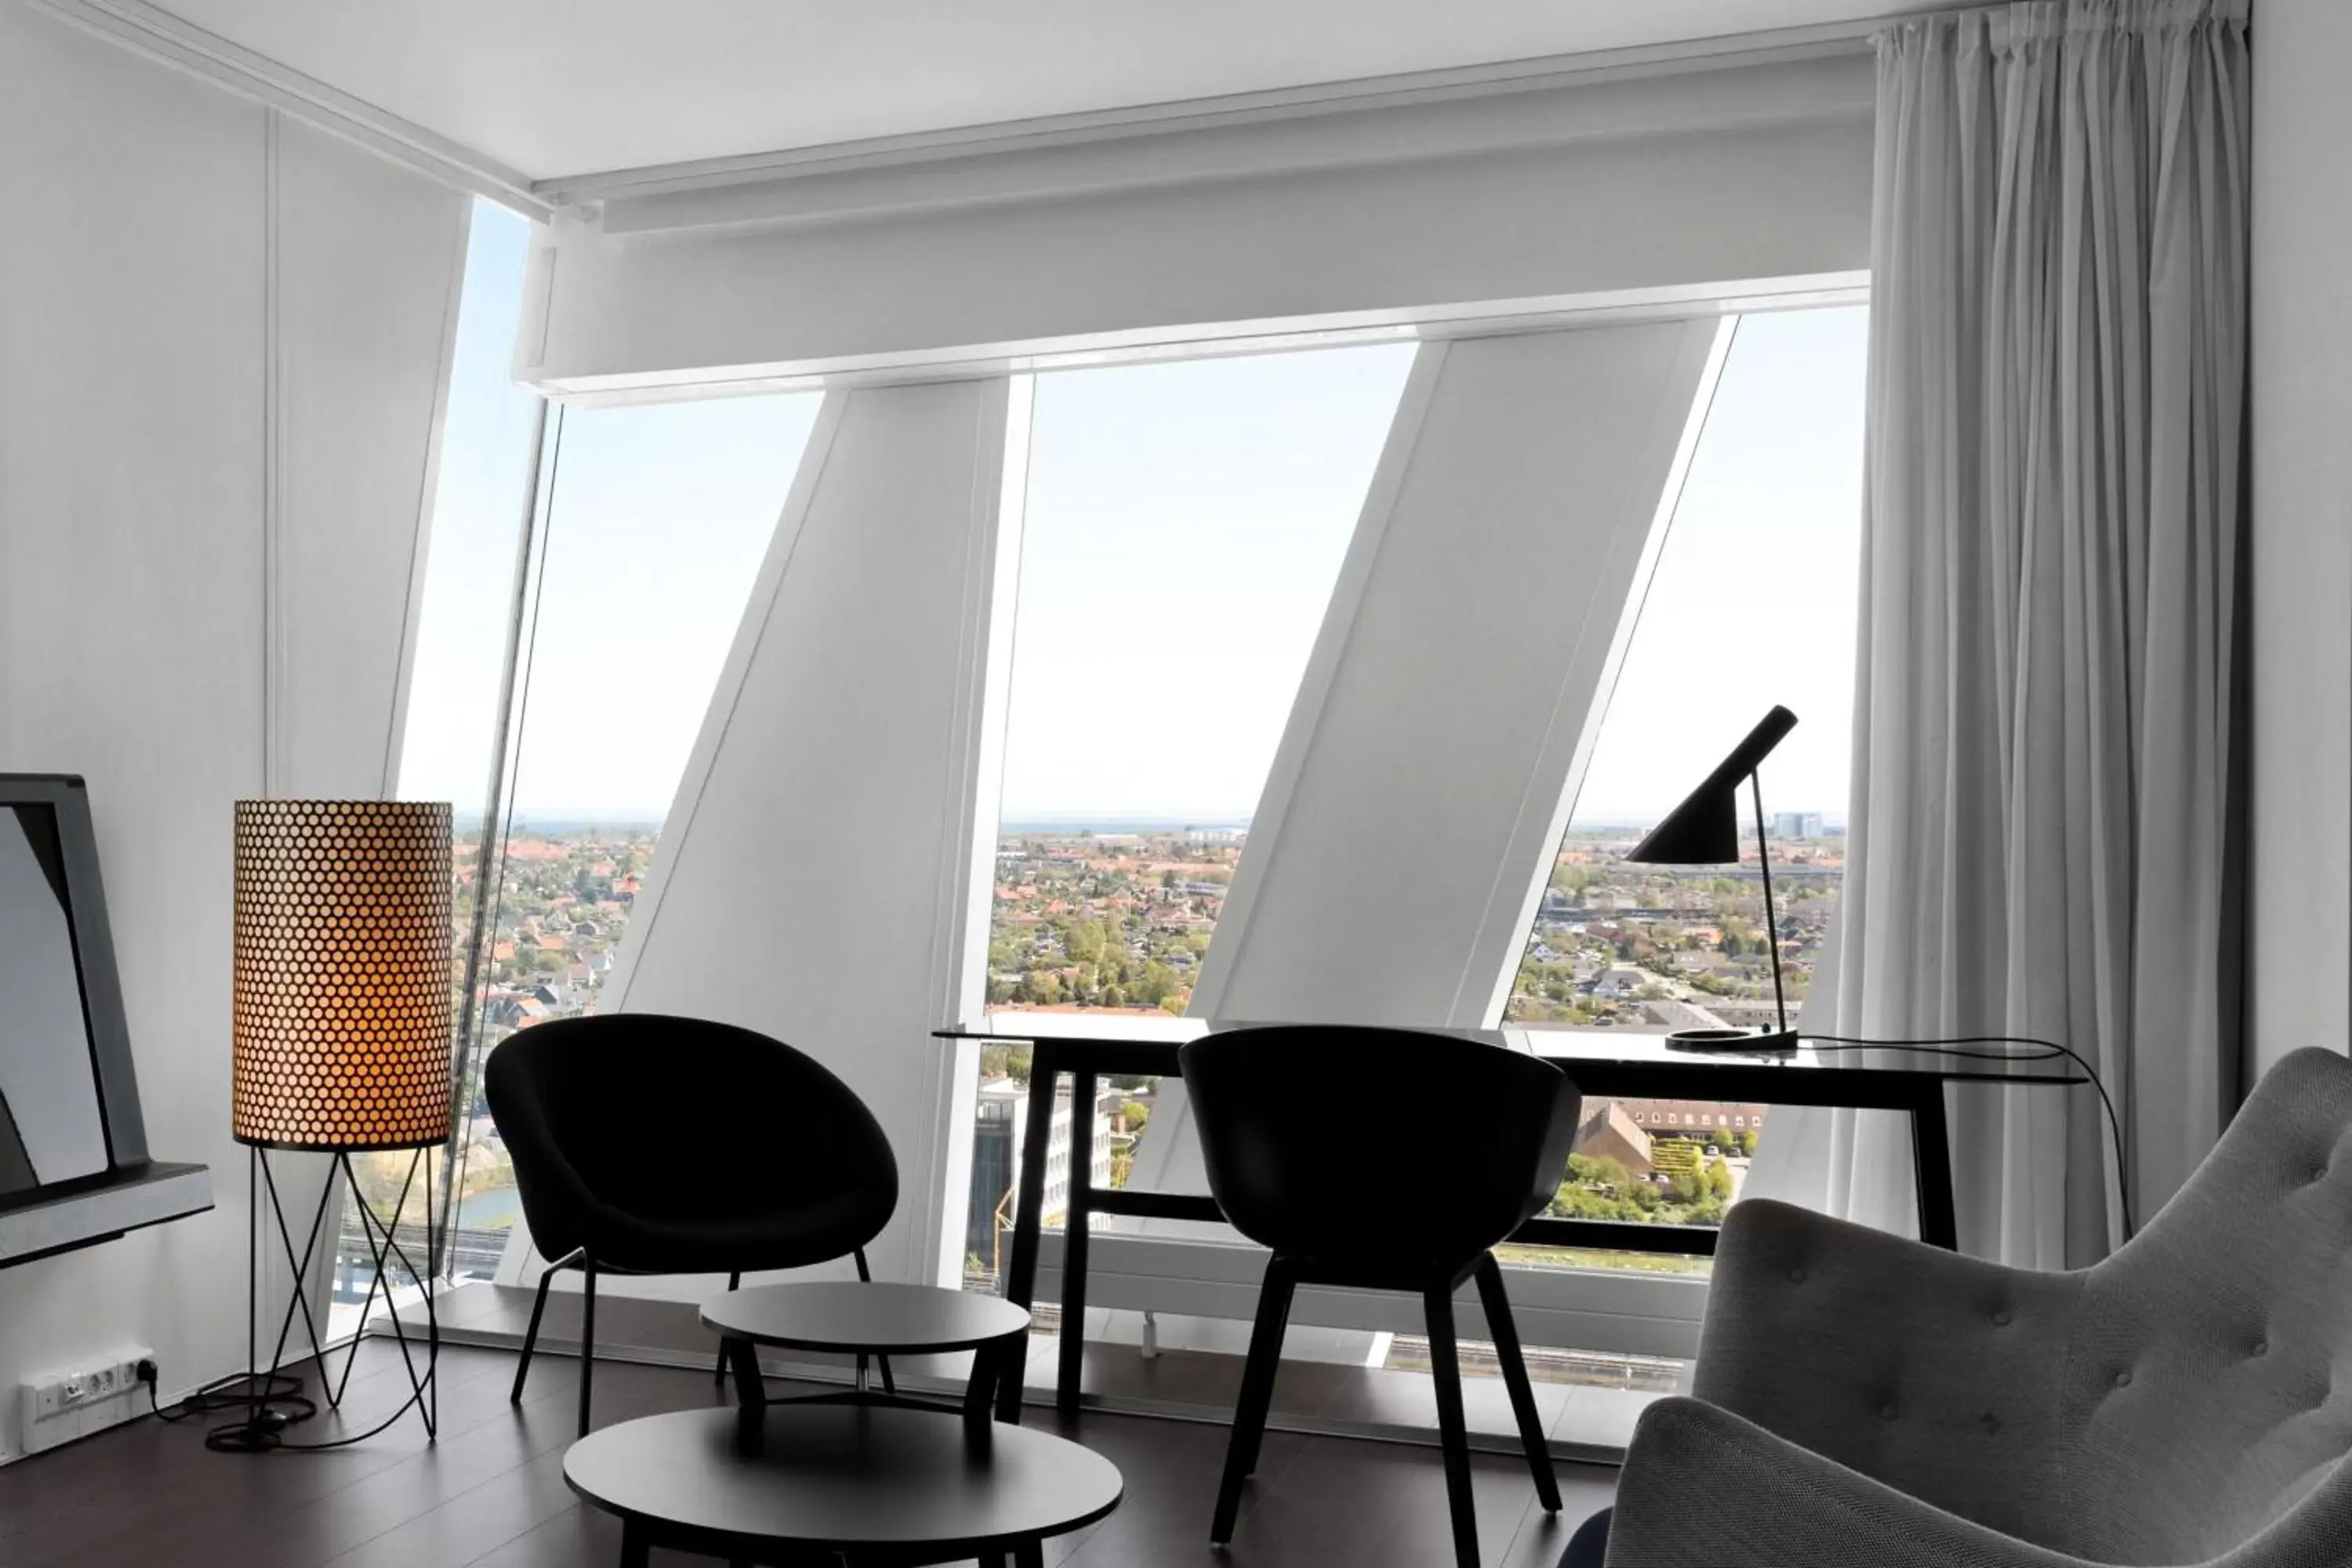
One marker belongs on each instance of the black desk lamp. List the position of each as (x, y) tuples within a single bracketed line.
[(1704, 830)]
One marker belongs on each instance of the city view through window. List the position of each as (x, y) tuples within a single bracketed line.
[(655, 525), (1752, 603), (1184, 525), (659, 519)]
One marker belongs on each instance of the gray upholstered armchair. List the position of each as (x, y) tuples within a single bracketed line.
[(1864, 1400)]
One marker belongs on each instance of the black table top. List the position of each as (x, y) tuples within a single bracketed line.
[(1567, 1047), (842, 1477), (847, 1315)]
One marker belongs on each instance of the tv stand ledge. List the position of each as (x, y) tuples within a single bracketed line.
[(61, 1220)]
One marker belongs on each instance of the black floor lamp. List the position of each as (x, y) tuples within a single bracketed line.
[(1704, 830), (339, 1046)]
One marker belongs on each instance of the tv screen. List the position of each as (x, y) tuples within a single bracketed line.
[(52, 1117)]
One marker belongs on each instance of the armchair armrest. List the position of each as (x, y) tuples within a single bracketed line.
[(1936, 1374), (1702, 1487)]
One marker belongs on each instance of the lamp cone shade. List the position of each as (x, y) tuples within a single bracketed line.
[(341, 995), (1704, 830)]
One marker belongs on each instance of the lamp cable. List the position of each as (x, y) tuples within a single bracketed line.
[(282, 1400), (1955, 1046)]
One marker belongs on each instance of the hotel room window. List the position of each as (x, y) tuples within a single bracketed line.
[(472, 553), (1183, 527), (1752, 602), (657, 519)]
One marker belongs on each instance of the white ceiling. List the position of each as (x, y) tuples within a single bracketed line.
[(557, 88)]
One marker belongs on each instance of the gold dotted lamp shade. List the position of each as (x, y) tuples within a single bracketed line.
[(342, 988)]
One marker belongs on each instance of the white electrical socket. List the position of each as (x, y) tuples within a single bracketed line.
[(59, 1406)]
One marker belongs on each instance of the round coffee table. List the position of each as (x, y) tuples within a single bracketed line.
[(854, 1318), (876, 1483)]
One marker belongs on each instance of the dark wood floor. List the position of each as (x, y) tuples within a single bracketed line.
[(1584, 1421), (491, 1492)]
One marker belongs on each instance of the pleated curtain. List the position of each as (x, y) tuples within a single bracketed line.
[(2046, 819)]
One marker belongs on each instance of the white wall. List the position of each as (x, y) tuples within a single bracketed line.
[(1666, 188), (2300, 948), (1444, 713), (154, 468)]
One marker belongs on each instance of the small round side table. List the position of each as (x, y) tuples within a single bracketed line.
[(871, 1483), (854, 1318)]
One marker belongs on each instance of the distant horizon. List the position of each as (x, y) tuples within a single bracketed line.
[(1066, 822)]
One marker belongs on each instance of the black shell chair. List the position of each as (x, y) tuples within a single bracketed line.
[(649, 1144), (1380, 1159)]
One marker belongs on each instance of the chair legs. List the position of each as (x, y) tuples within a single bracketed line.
[(538, 1311), (1452, 1430), (1452, 1427), (1256, 1394), (881, 1361), (1514, 1380), (578, 1259), (719, 1372), (587, 1337)]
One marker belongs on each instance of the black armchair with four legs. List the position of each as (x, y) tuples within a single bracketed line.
[(649, 1144), (1387, 1160)]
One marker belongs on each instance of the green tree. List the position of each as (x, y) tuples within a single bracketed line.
[(1718, 1178)]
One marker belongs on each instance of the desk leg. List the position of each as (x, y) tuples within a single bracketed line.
[(1931, 1153), (1029, 1554), (635, 1552), (1028, 1204), (1077, 1228)]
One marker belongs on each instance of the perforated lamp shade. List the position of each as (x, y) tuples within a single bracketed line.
[(341, 1028)]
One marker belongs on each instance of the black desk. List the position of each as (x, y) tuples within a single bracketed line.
[(1603, 1065)]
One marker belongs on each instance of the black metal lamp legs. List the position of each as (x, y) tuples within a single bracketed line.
[(264, 1425)]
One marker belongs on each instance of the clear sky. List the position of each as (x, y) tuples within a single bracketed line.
[(661, 516), (477, 517), (1755, 595), (1185, 524)]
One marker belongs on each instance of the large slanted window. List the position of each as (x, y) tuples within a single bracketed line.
[(1184, 526), (657, 518), (1752, 602), (473, 555)]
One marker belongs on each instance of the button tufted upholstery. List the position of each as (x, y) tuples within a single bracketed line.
[(1863, 1399)]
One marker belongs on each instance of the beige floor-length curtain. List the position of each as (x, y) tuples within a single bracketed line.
[(2044, 815)]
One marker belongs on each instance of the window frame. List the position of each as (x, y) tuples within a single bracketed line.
[(1619, 1310)]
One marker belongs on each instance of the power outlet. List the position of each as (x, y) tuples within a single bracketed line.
[(71, 1402)]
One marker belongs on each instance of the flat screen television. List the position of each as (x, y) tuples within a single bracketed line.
[(70, 1127)]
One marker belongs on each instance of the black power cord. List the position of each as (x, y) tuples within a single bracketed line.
[(278, 1404), (1957, 1047), (235, 1392)]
